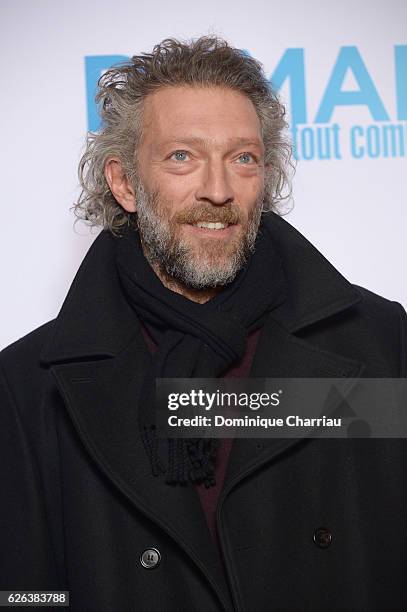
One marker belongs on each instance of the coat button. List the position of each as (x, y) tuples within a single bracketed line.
[(322, 537), (150, 558)]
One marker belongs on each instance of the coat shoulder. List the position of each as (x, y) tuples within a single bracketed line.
[(386, 321), (377, 306), (384, 317), (372, 331), (20, 360), (28, 345)]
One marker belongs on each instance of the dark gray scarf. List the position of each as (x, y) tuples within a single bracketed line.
[(195, 340)]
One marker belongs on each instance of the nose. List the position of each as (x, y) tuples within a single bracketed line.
[(215, 185)]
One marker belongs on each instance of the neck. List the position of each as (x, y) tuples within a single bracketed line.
[(195, 295)]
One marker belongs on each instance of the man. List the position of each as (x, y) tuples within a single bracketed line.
[(196, 275)]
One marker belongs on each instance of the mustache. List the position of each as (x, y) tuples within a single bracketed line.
[(209, 214)]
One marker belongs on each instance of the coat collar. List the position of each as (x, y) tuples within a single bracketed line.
[(98, 358), (97, 321)]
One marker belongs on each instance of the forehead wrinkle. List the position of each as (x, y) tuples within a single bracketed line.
[(207, 142)]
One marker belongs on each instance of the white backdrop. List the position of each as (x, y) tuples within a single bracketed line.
[(341, 68)]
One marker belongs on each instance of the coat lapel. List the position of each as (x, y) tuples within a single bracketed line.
[(315, 291), (282, 355), (99, 359), (101, 399)]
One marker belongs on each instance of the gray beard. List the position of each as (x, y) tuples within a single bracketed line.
[(177, 259)]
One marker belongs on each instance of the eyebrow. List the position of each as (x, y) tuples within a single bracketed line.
[(196, 140)]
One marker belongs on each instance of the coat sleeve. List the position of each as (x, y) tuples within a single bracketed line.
[(403, 341), (26, 558)]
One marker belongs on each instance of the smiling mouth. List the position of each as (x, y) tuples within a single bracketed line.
[(210, 225)]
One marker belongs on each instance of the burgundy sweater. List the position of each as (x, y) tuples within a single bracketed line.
[(209, 497)]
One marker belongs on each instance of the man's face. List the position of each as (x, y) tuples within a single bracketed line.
[(200, 182)]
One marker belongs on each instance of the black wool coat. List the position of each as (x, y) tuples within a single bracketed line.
[(79, 504)]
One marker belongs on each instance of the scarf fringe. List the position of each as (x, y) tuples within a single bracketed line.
[(189, 460)]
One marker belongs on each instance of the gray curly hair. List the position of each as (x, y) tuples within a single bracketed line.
[(206, 61)]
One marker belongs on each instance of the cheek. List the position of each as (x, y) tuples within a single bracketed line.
[(179, 194), (247, 182), (176, 190), (249, 194)]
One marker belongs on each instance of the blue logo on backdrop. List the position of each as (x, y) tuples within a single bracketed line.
[(318, 138)]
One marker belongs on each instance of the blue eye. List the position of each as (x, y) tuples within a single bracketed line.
[(248, 157), (179, 156)]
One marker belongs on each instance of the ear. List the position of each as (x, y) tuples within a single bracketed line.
[(119, 184)]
